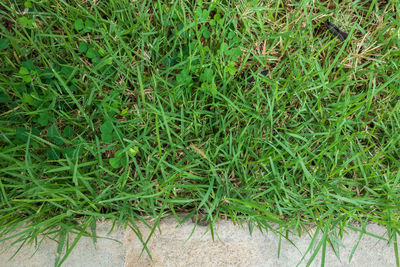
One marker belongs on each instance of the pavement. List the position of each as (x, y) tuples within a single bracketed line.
[(233, 245)]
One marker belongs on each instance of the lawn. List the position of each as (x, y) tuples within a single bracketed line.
[(248, 110)]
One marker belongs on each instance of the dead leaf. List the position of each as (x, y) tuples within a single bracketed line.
[(199, 151)]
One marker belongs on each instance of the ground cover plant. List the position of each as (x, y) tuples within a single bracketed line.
[(130, 110)]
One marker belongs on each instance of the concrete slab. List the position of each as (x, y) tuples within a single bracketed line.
[(106, 252), (170, 246)]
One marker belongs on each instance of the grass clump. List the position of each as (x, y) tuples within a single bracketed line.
[(129, 110)]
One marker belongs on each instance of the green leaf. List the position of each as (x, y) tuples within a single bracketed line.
[(89, 24), (231, 68), (47, 74), (78, 25), (35, 131), (206, 33), (28, 4), (28, 64), (119, 154), (232, 71), (72, 87), (27, 98), (102, 52), (23, 71), (207, 75), (202, 14), (23, 21), (224, 48), (53, 131), (27, 78), (67, 70), (236, 52), (209, 87), (21, 88), (54, 134), (82, 47), (184, 78), (4, 43), (107, 137), (4, 98), (217, 18), (68, 152), (91, 53), (96, 59), (198, 12), (109, 61), (124, 112), (232, 36), (58, 141), (21, 134), (53, 154), (115, 162), (68, 132), (205, 14), (110, 109), (133, 151), (106, 127), (43, 119)]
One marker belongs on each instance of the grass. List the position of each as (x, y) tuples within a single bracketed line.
[(130, 110)]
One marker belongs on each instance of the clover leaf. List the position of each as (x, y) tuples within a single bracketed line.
[(207, 75), (184, 77), (78, 25), (230, 68)]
